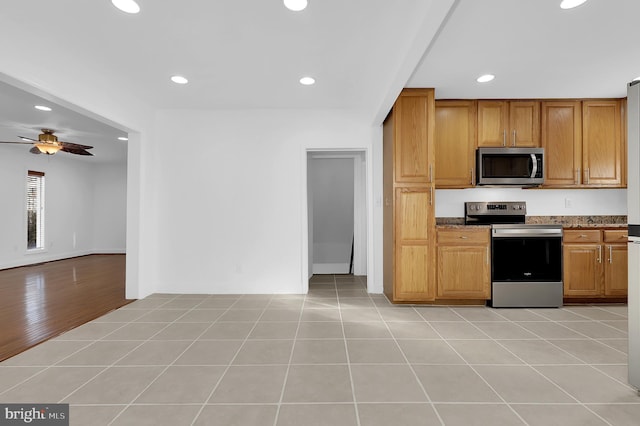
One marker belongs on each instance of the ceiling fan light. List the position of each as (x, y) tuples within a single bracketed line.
[(127, 6), (47, 148)]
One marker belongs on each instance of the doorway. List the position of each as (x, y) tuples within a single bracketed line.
[(337, 213)]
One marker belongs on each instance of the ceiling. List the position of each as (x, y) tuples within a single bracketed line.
[(250, 54)]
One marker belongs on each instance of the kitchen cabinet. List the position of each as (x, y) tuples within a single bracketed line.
[(583, 142), (463, 263), (508, 123), (455, 143), (408, 188), (595, 263), (602, 142), (562, 142)]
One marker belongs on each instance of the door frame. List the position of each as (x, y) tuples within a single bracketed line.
[(363, 211)]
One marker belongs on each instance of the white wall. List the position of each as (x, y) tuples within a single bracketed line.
[(332, 181), (73, 224), (540, 202), (232, 195)]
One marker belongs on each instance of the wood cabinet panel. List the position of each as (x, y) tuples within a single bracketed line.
[(413, 111), (463, 272), (412, 279), (493, 117), (616, 270), (616, 236), (413, 213), (562, 142), (582, 236), (524, 124), (601, 143), (582, 270), (463, 263), (455, 143)]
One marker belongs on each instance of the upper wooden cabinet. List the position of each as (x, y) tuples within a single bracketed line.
[(601, 142), (455, 144), (508, 123), (583, 143), (562, 142), (413, 132)]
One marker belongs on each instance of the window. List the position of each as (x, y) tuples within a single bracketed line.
[(35, 210)]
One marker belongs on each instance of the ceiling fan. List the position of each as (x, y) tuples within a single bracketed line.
[(48, 143)]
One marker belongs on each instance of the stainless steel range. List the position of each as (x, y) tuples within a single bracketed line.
[(526, 259)]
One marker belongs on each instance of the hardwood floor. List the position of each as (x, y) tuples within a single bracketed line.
[(41, 301)]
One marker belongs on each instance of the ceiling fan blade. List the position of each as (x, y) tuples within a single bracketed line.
[(35, 150), (77, 151), (26, 138), (74, 145), (23, 143)]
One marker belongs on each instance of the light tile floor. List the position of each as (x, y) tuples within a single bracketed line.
[(338, 356)]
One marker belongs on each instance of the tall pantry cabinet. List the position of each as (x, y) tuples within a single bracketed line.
[(408, 186)]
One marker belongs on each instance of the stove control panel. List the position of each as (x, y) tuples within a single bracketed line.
[(491, 208)]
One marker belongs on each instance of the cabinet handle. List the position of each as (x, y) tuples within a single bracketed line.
[(599, 254), (430, 173), (610, 254), (471, 176), (514, 138), (431, 198), (464, 237), (504, 137), (582, 236), (588, 176), (625, 236)]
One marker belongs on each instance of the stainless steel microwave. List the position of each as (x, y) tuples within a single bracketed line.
[(510, 166)]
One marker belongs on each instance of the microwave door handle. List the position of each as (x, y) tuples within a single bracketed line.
[(534, 163)]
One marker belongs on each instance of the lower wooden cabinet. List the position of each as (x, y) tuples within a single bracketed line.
[(595, 263), (463, 263)]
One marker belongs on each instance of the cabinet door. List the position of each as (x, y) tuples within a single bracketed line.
[(413, 131), (524, 124), (601, 143), (455, 143), (562, 142), (492, 123), (413, 250), (582, 270), (463, 272), (616, 270)]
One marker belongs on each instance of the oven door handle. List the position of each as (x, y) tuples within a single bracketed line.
[(534, 168), (519, 233)]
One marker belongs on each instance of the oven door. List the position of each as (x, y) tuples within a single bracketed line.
[(526, 267)]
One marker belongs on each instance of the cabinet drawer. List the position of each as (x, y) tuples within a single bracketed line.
[(615, 236), (582, 236), (463, 236)]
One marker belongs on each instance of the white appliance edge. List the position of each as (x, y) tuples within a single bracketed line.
[(633, 218)]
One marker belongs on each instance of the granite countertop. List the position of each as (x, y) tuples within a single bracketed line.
[(565, 221)]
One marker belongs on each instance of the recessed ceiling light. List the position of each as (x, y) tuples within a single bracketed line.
[(128, 6), (570, 4), (295, 5), (307, 81), (179, 79), (122, 138), (42, 108), (485, 78)]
